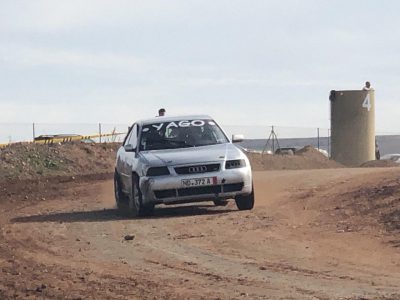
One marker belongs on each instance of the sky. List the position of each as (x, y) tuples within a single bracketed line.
[(243, 62)]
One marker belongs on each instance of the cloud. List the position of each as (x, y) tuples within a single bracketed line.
[(52, 16), (258, 62), (21, 55)]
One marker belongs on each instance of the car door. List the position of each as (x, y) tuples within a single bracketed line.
[(128, 157)]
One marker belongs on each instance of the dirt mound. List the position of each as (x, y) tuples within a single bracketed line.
[(380, 164), (30, 161), (40, 189), (378, 200), (310, 151), (305, 158)]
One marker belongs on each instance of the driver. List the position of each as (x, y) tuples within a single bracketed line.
[(173, 133)]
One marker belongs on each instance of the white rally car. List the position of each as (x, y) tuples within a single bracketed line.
[(172, 160)]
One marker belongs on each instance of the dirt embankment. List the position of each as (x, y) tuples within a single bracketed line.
[(377, 200), (33, 161), (380, 164), (305, 158)]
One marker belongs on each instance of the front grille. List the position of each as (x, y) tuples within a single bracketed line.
[(197, 169), (200, 190)]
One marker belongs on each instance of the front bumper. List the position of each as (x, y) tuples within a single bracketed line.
[(169, 189)]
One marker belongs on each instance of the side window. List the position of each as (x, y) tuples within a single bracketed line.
[(133, 137)]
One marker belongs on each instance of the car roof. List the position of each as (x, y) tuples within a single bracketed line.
[(172, 119)]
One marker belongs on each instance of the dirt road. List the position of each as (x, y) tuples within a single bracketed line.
[(303, 240)]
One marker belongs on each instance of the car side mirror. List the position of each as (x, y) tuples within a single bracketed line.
[(237, 138), (129, 148)]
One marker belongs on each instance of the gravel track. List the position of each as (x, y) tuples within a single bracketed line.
[(299, 242)]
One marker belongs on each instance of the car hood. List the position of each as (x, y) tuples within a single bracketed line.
[(194, 155)]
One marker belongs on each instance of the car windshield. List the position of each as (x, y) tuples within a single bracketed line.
[(181, 134)]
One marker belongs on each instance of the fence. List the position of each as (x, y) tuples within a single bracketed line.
[(11, 133), (266, 138), (256, 135)]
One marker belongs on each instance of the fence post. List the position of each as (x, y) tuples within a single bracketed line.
[(100, 132), (318, 137), (33, 131)]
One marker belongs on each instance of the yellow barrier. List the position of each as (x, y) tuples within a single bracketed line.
[(65, 139)]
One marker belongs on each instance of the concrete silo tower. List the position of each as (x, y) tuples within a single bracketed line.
[(353, 126)]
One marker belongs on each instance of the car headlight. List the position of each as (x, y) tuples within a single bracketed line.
[(157, 171), (234, 164)]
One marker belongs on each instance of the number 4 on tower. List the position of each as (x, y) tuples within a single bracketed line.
[(367, 103)]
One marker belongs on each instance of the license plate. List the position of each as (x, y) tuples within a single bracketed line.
[(199, 181)]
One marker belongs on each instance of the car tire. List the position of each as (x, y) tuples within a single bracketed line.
[(220, 202), (136, 208), (245, 202), (121, 199)]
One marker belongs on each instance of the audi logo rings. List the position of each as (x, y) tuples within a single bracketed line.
[(197, 169)]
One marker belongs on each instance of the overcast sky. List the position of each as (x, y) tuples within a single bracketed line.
[(243, 62)]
